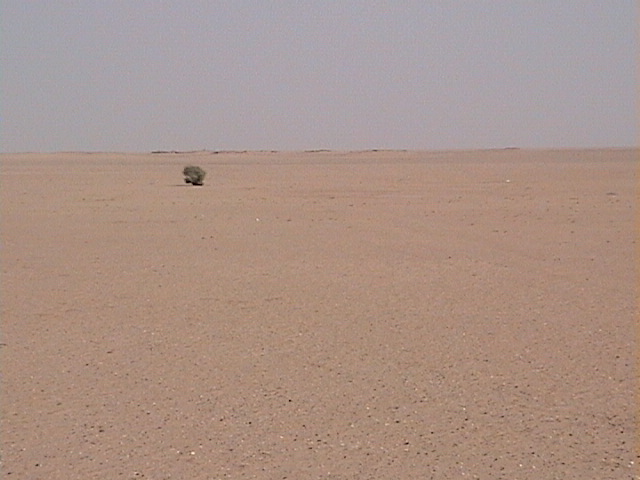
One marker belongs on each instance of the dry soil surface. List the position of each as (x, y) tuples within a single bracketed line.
[(320, 315)]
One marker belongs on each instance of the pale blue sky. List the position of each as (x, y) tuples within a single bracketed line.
[(141, 75)]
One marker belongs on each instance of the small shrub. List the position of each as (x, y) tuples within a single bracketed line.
[(193, 175)]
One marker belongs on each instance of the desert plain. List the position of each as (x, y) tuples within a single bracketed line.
[(320, 315)]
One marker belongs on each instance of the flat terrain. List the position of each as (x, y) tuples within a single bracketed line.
[(320, 315)]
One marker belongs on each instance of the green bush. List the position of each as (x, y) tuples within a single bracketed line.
[(193, 175)]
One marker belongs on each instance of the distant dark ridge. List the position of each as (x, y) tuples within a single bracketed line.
[(210, 152), (213, 152), (316, 150)]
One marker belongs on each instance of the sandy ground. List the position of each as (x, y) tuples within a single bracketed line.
[(320, 315)]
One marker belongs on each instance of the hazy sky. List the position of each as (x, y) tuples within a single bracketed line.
[(141, 75)]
